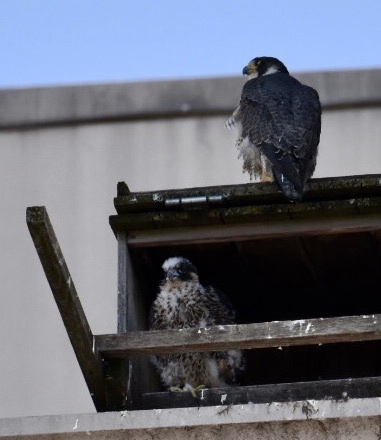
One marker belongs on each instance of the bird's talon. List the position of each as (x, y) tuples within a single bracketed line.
[(193, 389), (176, 389)]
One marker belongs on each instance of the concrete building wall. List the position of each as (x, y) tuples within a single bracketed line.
[(67, 147)]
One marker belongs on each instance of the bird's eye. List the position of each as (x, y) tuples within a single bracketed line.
[(258, 62)]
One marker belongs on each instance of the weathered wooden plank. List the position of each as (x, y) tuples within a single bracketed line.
[(245, 336), (123, 189), (255, 229), (117, 370), (156, 200), (125, 283), (330, 188), (69, 305), (339, 389), (133, 375), (318, 211)]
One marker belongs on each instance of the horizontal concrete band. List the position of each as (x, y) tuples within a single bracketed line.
[(115, 422), (156, 99), (190, 417)]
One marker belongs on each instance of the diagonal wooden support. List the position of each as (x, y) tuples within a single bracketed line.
[(68, 303)]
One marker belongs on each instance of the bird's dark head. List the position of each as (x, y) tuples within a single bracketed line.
[(264, 66), (179, 269)]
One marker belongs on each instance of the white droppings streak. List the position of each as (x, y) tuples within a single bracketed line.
[(223, 398), (202, 394), (76, 424), (309, 326)]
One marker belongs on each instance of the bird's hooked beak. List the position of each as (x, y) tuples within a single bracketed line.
[(172, 274), (250, 70)]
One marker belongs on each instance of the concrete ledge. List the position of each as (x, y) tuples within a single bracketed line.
[(181, 423), (113, 102), (92, 103)]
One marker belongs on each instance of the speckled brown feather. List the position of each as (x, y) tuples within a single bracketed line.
[(184, 304)]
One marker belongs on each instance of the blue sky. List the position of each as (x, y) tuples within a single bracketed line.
[(52, 42)]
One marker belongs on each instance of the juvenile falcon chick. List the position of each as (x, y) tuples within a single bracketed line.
[(182, 302)]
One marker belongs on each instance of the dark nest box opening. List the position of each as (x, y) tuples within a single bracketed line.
[(276, 261)]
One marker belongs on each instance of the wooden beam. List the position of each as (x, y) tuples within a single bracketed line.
[(338, 389), (257, 229), (327, 188), (132, 374), (245, 336), (69, 305)]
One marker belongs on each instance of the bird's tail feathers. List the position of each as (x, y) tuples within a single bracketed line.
[(292, 190)]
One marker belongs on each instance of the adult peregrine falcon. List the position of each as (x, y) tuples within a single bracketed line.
[(182, 302), (279, 122)]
